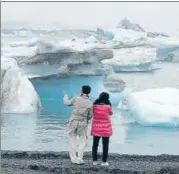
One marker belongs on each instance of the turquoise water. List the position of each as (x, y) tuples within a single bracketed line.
[(51, 92), (47, 130)]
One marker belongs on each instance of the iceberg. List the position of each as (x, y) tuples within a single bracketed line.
[(127, 48), (114, 85), (17, 92), (142, 67), (50, 45), (67, 63), (19, 53), (168, 53), (132, 59), (167, 48), (126, 36), (30, 43), (127, 24), (112, 82), (156, 34), (153, 107), (127, 33)]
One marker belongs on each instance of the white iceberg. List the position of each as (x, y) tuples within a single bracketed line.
[(29, 43), (132, 59), (127, 24), (113, 82), (127, 33), (114, 85), (19, 53), (127, 37), (52, 45), (167, 48), (153, 107), (163, 41), (127, 45), (168, 53), (17, 92)]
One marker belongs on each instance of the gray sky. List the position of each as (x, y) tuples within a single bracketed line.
[(159, 16)]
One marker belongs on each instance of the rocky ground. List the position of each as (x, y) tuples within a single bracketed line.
[(53, 162)]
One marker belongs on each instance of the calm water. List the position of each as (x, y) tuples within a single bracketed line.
[(47, 130)]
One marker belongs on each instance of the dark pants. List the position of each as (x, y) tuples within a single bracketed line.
[(95, 148)]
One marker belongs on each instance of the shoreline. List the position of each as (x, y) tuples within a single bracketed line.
[(14, 162)]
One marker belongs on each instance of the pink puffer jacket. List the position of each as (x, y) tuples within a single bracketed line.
[(101, 124)]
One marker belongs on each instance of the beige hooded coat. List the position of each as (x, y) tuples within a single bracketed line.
[(82, 112)]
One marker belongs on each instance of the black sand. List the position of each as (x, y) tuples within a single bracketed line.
[(14, 162)]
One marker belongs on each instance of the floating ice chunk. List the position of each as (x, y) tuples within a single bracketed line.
[(30, 43), (126, 36), (167, 48), (17, 93), (19, 52), (8, 63), (132, 59), (170, 53), (113, 83), (163, 41), (154, 107), (127, 24)]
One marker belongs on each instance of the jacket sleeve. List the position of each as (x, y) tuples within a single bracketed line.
[(110, 111), (67, 101), (90, 114)]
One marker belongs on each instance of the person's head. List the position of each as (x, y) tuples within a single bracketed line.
[(85, 89), (103, 99), (104, 96)]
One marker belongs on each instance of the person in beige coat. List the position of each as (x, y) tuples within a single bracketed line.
[(78, 124)]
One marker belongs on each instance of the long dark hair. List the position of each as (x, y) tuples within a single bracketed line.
[(103, 99)]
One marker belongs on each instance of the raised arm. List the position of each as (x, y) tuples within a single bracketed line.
[(67, 101)]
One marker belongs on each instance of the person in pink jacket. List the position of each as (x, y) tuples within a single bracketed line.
[(101, 126)]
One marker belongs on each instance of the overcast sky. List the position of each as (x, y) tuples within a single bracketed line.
[(160, 16)]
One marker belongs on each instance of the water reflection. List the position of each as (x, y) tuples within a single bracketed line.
[(34, 132), (18, 131)]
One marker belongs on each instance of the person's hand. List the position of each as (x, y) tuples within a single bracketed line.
[(64, 93)]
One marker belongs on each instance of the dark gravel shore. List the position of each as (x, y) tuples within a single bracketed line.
[(15, 162)]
